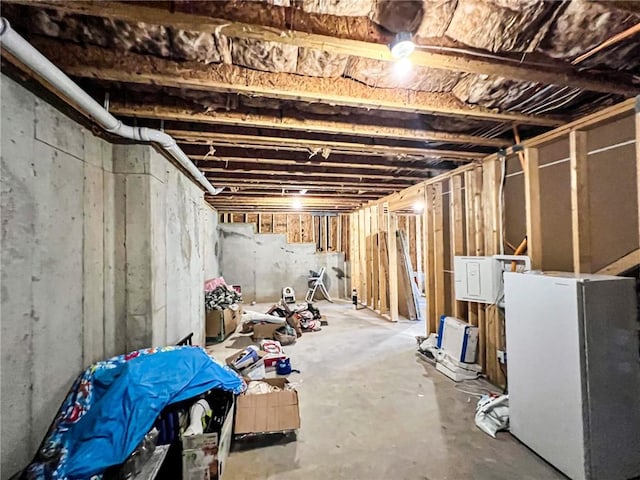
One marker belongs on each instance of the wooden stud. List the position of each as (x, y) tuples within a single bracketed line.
[(383, 259), (355, 252), (392, 220), (419, 256), (429, 251), (375, 260), (456, 230), (532, 202), (438, 265), (470, 233), (580, 211), (362, 291)]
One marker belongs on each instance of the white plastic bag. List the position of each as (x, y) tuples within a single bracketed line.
[(492, 414)]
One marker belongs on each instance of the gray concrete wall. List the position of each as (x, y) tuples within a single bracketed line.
[(104, 249), (57, 307), (265, 263)]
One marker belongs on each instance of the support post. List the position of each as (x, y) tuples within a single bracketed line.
[(532, 202), (392, 221), (580, 215)]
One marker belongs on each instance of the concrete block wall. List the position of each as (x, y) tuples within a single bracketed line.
[(264, 263), (104, 249)]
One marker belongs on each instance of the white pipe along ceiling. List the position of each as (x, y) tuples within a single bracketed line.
[(12, 42)]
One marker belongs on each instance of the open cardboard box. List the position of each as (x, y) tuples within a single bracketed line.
[(266, 330), (268, 412), (219, 324)]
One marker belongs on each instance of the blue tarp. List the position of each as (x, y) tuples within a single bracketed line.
[(115, 403)]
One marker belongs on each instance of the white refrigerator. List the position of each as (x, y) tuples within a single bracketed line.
[(574, 371)]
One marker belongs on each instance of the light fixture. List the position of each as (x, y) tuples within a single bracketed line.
[(418, 207), (297, 204), (402, 68), (402, 45)]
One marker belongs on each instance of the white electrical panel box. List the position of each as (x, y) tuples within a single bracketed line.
[(477, 279)]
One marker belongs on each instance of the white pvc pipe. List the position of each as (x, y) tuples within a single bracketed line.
[(38, 63)]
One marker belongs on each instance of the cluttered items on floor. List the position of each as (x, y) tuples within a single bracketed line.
[(95, 429), (223, 309), (267, 406), (207, 439), (282, 321)]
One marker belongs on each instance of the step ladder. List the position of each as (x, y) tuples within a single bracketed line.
[(316, 281)]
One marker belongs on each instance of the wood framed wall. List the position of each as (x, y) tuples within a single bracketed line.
[(572, 192), (329, 232)]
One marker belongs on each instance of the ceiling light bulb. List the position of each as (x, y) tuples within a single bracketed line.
[(402, 45), (297, 204), (418, 206), (402, 67)]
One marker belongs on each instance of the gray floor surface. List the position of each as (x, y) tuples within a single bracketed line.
[(372, 410)]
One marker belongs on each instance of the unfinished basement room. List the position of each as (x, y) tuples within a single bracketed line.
[(320, 240)]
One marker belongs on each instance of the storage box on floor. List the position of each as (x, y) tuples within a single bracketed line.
[(221, 323), (268, 412), (204, 456)]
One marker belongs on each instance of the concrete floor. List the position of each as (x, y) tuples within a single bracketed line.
[(371, 409)]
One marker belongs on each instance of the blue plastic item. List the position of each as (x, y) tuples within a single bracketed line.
[(113, 405)]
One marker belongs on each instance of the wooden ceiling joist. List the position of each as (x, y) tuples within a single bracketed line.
[(125, 67), (306, 145), (313, 165), (284, 122), (468, 62), (231, 179), (278, 170), (244, 193)]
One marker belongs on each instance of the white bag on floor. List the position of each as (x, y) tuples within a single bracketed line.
[(492, 414), (251, 316)]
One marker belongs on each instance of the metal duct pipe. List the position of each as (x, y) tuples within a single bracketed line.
[(38, 63)]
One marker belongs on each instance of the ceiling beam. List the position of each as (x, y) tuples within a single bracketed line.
[(432, 56), (337, 188), (284, 171), (126, 67), (242, 193), (262, 180), (306, 145), (285, 122), (291, 166)]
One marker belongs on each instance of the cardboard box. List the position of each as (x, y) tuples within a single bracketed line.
[(231, 360), (268, 412), (204, 456), (221, 323), (266, 330)]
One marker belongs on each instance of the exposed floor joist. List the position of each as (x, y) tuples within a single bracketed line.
[(305, 145), (367, 169), (248, 168), (506, 67), (231, 179), (307, 124), (126, 67)]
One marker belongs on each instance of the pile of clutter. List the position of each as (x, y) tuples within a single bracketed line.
[(282, 322), (453, 351), (219, 296)]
